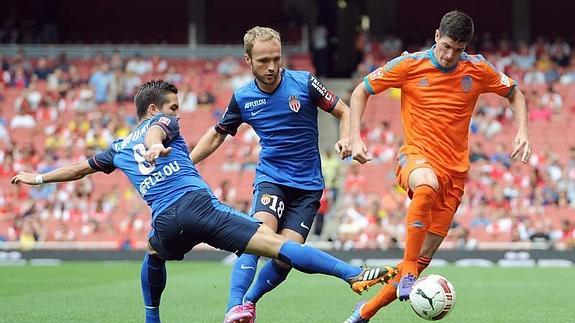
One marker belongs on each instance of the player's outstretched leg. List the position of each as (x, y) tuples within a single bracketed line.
[(242, 276), (311, 260), (385, 296), (153, 277)]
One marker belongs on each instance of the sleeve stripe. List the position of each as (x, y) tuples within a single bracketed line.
[(96, 163), (330, 110), (167, 131), (223, 130), (368, 86)]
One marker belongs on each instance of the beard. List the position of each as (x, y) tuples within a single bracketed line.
[(264, 80)]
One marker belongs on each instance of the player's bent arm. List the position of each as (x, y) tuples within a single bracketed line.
[(70, 172), (519, 107), (341, 111), (153, 140), (154, 136), (209, 142), (521, 142), (358, 102)]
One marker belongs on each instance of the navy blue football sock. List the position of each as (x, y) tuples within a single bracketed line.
[(242, 276), (153, 277), (314, 261), (270, 276)]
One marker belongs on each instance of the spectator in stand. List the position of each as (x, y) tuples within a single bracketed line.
[(116, 61), (22, 120), (139, 65), (42, 69), (173, 76), (524, 59), (553, 100), (100, 81), (228, 66), (332, 170), (540, 112)]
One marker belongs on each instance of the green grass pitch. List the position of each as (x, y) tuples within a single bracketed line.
[(197, 292)]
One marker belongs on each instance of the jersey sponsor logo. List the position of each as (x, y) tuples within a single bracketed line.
[(504, 79), (165, 121), (254, 104), (466, 83), (304, 226), (294, 103), (423, 82), (266, 199), (159, 176)]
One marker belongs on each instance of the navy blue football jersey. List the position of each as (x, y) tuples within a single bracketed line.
[(286, 122), (159, 184)]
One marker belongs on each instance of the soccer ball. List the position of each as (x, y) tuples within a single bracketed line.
[(432, 297)]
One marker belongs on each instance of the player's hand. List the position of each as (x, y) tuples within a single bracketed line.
[(155, 152), (359, 151), (343, 148), (521, 143), (26, 178)]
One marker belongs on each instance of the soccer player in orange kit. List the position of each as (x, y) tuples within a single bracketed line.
[(439, 89)]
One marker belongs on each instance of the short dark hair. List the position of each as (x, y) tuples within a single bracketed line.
[(457, 25), (152, 92)]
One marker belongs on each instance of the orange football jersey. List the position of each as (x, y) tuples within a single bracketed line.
[(437, 103)]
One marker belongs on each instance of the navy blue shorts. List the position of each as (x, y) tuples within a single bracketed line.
[(199, 217), (294, 208)]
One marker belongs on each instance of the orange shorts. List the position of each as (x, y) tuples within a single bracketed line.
[(448, 196)]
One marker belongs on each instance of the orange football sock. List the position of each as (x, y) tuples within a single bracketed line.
[(387, 293), (417, 225)]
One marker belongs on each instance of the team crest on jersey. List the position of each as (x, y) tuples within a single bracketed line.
[(466, 83), (294, 103), (266, 199)]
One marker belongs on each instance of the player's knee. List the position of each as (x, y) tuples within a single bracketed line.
[(268, 219), (265, 243)]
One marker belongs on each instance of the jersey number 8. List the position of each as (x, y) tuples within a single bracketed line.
[(144, 167)]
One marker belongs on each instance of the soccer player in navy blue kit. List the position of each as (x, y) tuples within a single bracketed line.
[(282, 107), (185, 212)]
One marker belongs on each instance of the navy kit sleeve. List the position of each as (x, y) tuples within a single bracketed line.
[(104, 161), (320, 95), (169, 124), (231, 119)]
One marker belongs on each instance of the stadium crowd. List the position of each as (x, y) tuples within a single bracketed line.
[(55, 110)]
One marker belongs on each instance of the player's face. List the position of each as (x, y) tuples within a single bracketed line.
[(447, 51), (171, 106), (265, 62)]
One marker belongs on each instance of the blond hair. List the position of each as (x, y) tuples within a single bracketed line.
[(259, 34)]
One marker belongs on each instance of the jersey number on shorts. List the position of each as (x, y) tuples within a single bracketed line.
[(144, 167), (275, 206)]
